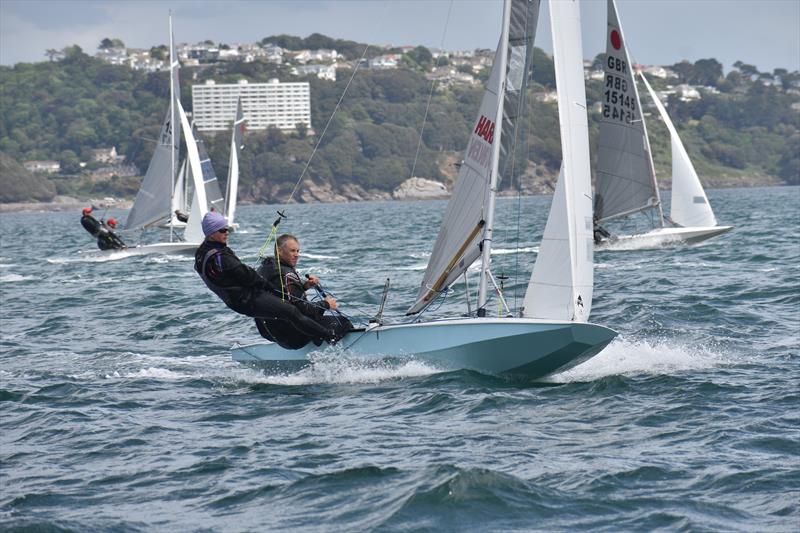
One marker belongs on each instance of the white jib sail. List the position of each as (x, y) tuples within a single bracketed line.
[(626, 180), (562, 281), (232, 187), (690, 205), (194, 229)]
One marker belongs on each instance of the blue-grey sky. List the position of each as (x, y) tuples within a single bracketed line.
[(765, 33)]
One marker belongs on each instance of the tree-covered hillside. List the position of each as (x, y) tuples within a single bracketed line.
[(745, 126)]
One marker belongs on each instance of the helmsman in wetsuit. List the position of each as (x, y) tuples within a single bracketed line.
[(107, 239), (89, 223), (281, 274), (243, 290)]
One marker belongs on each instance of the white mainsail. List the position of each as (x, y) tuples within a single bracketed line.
[(232, 187), (154, 204), (562, 281), (690, 205), (464, 224), (626, 181)]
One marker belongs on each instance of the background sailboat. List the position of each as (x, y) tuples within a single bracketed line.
[(156, 199), (551, 332), (626, 182)]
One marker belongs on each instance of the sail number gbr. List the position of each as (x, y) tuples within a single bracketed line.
[(617, 103)]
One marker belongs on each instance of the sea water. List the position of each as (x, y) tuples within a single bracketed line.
[(123, 411)]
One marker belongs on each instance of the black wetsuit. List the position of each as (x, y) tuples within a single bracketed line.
[(108, 240), (247, 293), (600, 234), (287, 284), (91, 224)]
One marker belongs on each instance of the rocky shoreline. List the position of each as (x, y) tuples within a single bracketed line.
[(410, 190)]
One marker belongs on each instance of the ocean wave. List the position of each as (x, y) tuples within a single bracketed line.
[(12, 278)]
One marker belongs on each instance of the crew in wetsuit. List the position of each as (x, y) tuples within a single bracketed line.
[(89, 223), (600, 233), (280, 273), (243, 290), (107, 239)]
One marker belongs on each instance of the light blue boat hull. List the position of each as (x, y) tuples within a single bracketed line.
[(510, 346)]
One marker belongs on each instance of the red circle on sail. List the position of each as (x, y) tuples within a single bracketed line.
[(616, 40)]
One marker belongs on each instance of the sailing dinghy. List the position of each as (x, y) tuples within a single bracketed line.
[(551, 333), (626, 179), (156, 200)]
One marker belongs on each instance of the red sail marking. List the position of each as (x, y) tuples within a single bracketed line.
[(616, 40)]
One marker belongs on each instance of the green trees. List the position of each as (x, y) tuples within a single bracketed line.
[(62, 109), (19, 185)]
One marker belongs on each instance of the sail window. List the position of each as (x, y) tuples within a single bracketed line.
[(516, 68)]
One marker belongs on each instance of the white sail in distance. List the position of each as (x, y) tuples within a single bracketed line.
[(689, 205), (153, 204), (237, 140), (194, 229), (562, 281)]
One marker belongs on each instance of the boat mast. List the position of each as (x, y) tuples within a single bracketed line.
[(486, 255), (649, 151), (172, 128)]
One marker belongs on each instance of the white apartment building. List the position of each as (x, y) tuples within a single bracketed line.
[(282, 105)]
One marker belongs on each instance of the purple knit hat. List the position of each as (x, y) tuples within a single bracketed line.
[(213, 222)]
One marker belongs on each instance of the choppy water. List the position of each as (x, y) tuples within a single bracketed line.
[(122, 411)]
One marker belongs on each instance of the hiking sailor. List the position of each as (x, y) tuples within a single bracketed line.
[(89, 223), (107, 239), (243, 290), (280, 273)]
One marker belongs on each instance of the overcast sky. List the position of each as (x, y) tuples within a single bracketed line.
[(765, 33)]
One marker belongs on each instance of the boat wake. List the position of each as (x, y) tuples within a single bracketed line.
[(330, 366), (336, 366), (104, 257), (627, 358), (637, 242)]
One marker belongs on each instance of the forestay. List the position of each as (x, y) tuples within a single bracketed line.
[(626, 181), (690, 205), (462, 229), (561, 285)]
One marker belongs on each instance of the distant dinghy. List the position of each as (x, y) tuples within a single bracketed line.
[(626, 180), (160, 193), (551, 332)]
